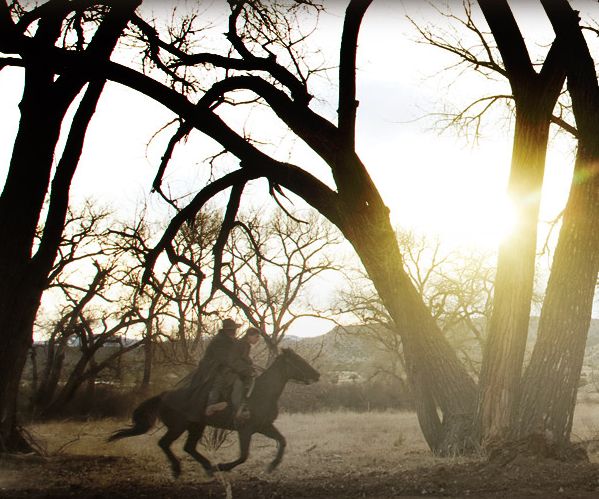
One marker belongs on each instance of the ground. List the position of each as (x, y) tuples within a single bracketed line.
[(329, 455)]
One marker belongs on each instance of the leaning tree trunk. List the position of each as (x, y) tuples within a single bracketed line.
[(551, 379), (437, 378), (499, 386)]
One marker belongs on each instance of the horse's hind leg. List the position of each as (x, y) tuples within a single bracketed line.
[(245, 436), (165, 444), (194, 435), (272, 432)]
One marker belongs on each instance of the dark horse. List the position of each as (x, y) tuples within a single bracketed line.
[(263, 405)]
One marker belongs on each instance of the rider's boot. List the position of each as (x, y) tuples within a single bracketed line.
[(242, 414), (216, 407), (212, 404)]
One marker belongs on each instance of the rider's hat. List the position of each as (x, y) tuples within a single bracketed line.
[(229, 325)]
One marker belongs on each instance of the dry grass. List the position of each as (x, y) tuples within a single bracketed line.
[(321, 443), (322, 447)]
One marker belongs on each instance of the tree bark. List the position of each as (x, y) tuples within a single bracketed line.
[(551, 379), (535, 95), (508, 329), (20, 205)]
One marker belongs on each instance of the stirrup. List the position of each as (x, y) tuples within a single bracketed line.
[(212, 408)]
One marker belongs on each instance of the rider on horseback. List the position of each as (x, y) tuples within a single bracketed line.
[(243, 385), (222, 363)]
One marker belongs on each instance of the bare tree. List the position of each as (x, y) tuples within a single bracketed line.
[(557, 358), (548, 388), (534, 94), (24, 267), (175, 303), (271, 264), (457, 287), (90, 312), (263, 60)]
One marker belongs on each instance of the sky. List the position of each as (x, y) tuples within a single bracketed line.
[(436, 184)]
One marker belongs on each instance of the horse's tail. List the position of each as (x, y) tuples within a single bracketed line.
[(144, 417)]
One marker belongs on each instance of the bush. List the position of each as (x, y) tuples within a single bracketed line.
[(359, 397), (109, 400)]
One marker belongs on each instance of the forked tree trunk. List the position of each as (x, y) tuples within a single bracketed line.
[(535, 94), (499, 387), (551, 379), (23, 275)]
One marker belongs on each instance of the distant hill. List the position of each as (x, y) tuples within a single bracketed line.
[(353, 349), (349, 348)]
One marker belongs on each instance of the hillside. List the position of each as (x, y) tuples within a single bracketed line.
[(353, 349)]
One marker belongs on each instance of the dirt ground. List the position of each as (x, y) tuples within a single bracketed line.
[(331, 455)]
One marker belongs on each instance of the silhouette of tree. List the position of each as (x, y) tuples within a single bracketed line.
[(30, 36), (270, 263), (260, 60), (264, 60)]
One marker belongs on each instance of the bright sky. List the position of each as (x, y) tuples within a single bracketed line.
[(435, 184)]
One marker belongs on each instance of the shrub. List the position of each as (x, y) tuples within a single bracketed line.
[(359, 397)]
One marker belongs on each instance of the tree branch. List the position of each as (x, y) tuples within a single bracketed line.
[(347, 71)]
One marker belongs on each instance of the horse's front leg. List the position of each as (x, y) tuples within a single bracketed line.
[(245, 437), (195, 432), (272, 432)]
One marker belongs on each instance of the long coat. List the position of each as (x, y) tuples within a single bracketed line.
[(224, 354)]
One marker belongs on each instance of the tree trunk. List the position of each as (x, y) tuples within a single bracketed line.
[(499, 386), (52, 372), (43, 107), (80, 374), (21, 202), (148, 357), (34, 377), (437, 378), (551, 379), (13, 355)]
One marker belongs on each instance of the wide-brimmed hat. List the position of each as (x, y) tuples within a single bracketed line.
[(229, 325)]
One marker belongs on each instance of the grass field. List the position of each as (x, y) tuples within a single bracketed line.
[(330, 454)]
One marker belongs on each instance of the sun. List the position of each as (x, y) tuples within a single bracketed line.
[(455, 195), (464, 218)]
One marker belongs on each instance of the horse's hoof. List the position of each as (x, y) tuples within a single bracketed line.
[(176, 473), (271, 467), (210, 472)]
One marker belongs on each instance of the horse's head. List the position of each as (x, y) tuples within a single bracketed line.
[(297, 368)]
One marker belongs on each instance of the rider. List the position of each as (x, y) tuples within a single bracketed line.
[(243, 385), (230, 363)]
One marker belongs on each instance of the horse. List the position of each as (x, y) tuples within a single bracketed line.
[(262, 404)]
